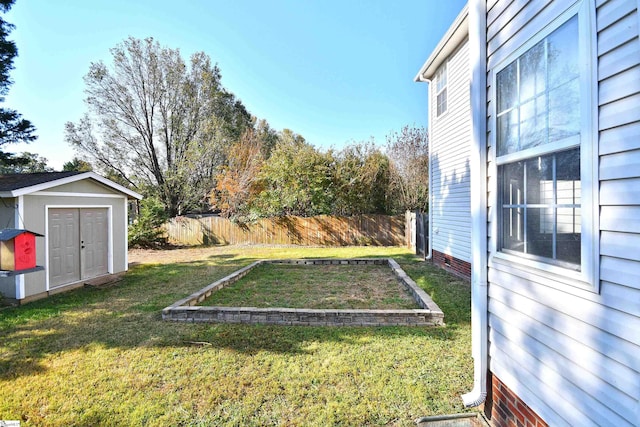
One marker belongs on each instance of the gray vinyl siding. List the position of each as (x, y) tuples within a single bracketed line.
[(572, 354), (450, 136), (8, 220), (83, 186)]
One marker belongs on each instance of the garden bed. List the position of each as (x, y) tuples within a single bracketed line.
[(428, 313)]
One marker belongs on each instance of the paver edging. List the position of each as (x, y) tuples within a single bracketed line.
[(186, 310)]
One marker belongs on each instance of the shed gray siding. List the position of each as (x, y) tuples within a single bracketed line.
[(572, 354), (449, 136), (8, 220)]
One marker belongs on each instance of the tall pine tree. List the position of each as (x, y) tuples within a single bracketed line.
[(13, 128)]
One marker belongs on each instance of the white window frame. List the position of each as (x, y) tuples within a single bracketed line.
[(441, 89), (588, 276)]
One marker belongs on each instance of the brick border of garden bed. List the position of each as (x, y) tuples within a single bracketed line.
[(187, 310)]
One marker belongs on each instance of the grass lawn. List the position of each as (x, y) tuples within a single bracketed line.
[(105, 357), (316, 286)]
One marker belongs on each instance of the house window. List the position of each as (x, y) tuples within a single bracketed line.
[(441, 90), (542, 148), (541, 207)]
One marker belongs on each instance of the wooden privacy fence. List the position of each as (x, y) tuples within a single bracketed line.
[(378, 230)]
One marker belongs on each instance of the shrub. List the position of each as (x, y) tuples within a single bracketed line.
[(146, 231)]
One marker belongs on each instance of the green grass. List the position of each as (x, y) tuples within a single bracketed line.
[(316, 287), (105, 357)]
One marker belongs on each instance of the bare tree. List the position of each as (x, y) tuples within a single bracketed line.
[(158, 124), (408, 152)]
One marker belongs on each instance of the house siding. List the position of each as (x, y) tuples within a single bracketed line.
[(570, 354), (450, 136)]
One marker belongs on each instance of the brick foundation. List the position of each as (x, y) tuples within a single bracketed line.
[(504, 408), (453, 265)]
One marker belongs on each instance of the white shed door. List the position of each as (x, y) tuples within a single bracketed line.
[(94, 247), (64, 247), (78, 244)]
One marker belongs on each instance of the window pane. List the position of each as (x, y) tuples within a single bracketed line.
[(568, 222), (507, 81), (541, 90), (442, 102), (540, 200), (540, 180), (540, 232), (533, 122), (508, 133), (513, 217), (441, 78), (564, 111), (532, 72), (513, 229), (563, 53), (569, 235), (568, 177)]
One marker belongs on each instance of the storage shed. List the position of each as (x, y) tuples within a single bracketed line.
[(83, 218)]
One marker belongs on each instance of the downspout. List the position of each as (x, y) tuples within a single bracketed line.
[(478, 170), (423, 80)]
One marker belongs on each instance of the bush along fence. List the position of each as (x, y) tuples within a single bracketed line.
[(375, 230)]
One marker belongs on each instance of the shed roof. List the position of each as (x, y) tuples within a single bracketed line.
[(16, 181), (14, 185)]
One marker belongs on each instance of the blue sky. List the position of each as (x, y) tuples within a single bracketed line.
[(332, 71)]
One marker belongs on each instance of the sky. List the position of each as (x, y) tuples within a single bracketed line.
[(335, 72)]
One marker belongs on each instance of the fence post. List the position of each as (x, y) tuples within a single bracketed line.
[(410, 229)]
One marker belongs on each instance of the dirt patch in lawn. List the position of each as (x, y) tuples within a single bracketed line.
[(316, 287), (173, 254)]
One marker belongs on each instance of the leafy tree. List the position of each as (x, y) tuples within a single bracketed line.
[(408, 152), (237, 184), (362, 180), (296, 180), (13, 128), (157, 123), (267, 137), (78, 165), (146, 231), (24, 163)]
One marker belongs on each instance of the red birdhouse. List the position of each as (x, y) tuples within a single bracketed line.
[(17, 249)]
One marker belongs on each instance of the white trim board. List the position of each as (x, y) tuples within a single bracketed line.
[(65, 194), (19, 224), (68, 180), (454, 36)]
